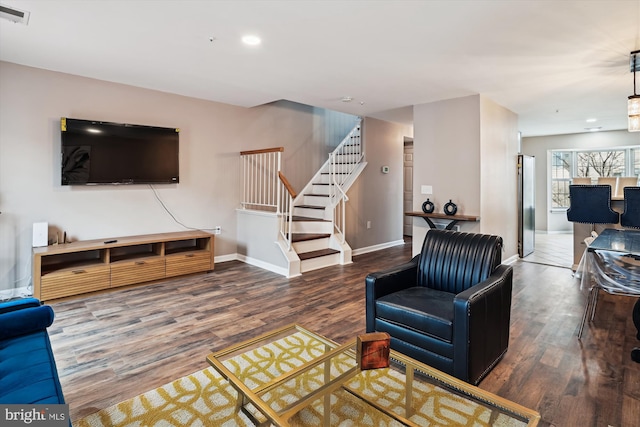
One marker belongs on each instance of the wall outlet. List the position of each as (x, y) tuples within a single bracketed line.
[(368, 225), (217, 230)]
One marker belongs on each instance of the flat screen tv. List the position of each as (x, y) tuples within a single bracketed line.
[(116, 153)]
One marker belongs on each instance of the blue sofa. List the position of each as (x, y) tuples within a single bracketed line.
[(28, 373)]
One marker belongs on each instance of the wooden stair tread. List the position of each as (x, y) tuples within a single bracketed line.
[(316, 254), (306, 218), (303, 237), (311, 207)]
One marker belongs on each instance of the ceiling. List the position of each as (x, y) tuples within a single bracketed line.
[(554, 63)]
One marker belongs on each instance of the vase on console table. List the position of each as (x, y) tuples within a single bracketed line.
[(450, 208), (428, 206)]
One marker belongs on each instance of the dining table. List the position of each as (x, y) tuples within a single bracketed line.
[(612, 263)]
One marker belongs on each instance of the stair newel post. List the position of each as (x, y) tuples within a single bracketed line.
[(290, 221), (286, 226)]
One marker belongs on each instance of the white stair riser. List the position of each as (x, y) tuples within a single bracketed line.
[(320, 189), (341, 168), (347, 158), (319, 262), (315, 200), (319, 227), (326, 178), (311, 245), (308, 212)]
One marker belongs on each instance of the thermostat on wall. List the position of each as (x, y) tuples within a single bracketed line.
[(385, 169)]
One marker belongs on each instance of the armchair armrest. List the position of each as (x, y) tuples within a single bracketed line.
[(18, 304), (385, 282), (482, 319), (23, 318)]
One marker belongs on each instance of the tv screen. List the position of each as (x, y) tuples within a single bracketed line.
[(117, 153)]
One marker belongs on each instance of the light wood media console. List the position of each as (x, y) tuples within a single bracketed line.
[(93, 265)]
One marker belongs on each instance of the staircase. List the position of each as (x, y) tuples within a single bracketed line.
[(317, 220), (312, 223)]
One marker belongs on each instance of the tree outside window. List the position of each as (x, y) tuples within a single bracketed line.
[(565, 165), (595, 164)]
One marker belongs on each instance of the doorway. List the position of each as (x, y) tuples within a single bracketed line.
[(407, 229)]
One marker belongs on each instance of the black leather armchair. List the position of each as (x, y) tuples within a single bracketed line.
[(449, 307)]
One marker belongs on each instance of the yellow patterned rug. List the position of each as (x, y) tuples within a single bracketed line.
[(206, 399)]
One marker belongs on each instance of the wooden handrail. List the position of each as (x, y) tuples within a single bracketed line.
[(262, 151), (288, 186)]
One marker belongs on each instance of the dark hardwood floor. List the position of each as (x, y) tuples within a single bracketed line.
[(113, 346)]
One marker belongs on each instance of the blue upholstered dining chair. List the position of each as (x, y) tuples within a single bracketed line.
[(591, 204), (631, 215), (631, 218)]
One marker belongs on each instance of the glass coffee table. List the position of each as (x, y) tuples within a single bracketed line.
[(294, 377)]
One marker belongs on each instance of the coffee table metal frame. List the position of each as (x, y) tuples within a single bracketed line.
[(412, 368)]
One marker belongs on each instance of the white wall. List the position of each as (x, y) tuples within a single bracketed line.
[(466, 148), (212, 135), (499, 179), (446, 156), (541, 146), (376, 196)]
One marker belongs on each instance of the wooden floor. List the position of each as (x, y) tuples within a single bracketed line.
[(112, 346)]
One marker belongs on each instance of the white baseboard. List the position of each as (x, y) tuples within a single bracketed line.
[(379, 247), (265, 265), (511, 259), (226, 258), (23, 292), (554, 232)]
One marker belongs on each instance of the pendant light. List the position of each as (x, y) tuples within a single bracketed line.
[(634, 100)]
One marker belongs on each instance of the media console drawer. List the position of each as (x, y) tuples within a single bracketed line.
[(93, 265), (130, 272), (79, 280), (186, 263)]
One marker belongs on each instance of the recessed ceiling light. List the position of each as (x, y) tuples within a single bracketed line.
[(251, 40), (591, 120), (596, 129)]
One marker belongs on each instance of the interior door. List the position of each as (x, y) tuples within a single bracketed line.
[(526, 205), (408, 189)]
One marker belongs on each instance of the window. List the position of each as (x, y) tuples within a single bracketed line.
[(565, 165), (561, 162)]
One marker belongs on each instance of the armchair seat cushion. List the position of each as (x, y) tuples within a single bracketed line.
[(427, 310)]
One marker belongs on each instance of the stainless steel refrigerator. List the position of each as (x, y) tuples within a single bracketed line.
[(526, 205)]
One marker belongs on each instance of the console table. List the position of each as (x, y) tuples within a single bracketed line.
[(86, 266), (452, 218)]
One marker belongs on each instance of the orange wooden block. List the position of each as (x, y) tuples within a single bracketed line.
[(372, 350)]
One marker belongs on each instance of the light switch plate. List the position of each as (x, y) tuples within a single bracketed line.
[(426, 189)]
